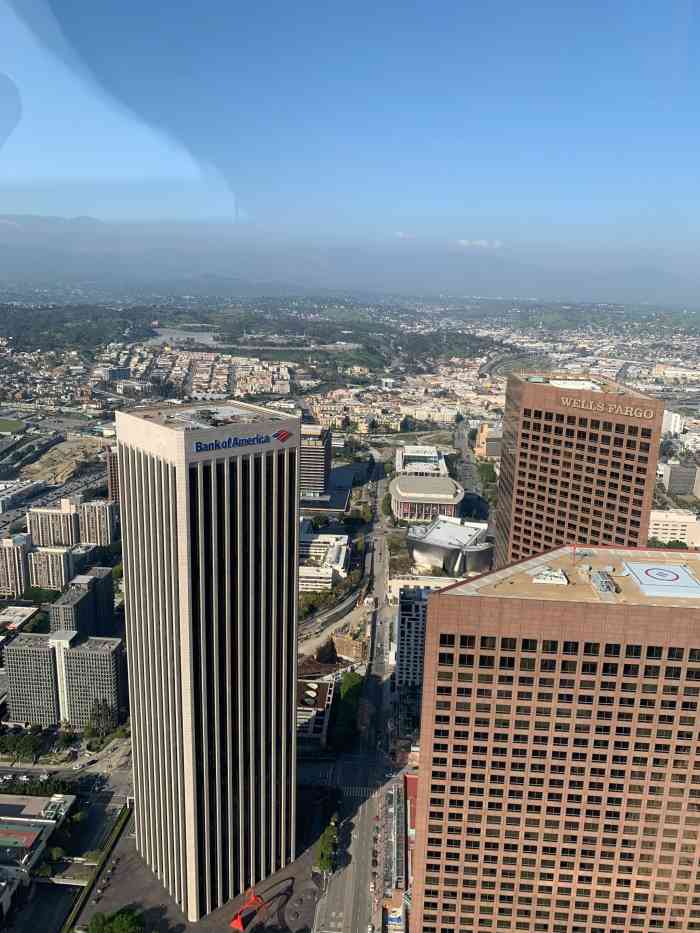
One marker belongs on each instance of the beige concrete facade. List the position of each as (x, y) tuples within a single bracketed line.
[(210, 531)]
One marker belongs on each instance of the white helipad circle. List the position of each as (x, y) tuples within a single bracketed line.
[(662, 574)]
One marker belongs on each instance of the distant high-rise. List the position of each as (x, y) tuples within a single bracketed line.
[(315, 461), (55, 527), (578, 464), (112, 475), (14, 564), (63, 678), (87, 606), (209, 507), (559, 748), (410, 635), (98, 522), (50, 567)]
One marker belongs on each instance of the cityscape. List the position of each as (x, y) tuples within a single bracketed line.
[(343, 639), (349, 467)]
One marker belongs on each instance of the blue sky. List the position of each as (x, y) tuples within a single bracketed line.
[(486, 126)]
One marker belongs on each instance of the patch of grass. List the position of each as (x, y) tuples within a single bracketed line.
[(11, 426)]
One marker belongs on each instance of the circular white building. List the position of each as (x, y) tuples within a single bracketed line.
[(422, 498)]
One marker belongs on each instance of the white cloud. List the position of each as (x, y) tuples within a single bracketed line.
[(401, 235), (480, 244)]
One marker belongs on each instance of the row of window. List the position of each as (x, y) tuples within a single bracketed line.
[(550, 646), (595, 424)]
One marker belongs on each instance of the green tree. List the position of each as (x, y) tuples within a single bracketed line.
[(675, 544), (327, 845), (386, 504), (123, 921), (102, 720)]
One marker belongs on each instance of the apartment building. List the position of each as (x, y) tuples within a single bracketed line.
[(50, 568), (14, 564), (97, 522), (55, 527)]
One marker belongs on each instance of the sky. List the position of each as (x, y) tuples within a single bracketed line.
[(518, 129)]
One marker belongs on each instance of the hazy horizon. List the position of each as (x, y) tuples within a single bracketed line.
[(548, 152)]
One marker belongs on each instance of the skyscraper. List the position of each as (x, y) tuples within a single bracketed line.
[(209, 501), (98, 522), (14, 566), (578, 463), (112, 463), (55, 527), (559, 747), (315, 461)]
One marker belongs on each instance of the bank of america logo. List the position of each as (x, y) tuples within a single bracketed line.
[(282, 436)]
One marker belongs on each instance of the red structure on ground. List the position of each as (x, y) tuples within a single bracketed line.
[(253, 902)]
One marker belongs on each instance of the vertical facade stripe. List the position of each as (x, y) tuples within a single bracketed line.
[(210, 546)]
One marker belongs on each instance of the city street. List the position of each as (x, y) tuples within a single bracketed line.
[(349, 905)]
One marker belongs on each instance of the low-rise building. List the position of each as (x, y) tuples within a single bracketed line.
[(449, 544), (680, 480), (424, 581), (352, 646), (420, 460), (314, 701), (421, 498), (674, 525), (14, 618), (26, 826), (315, 579), (489, 439), (673, 422)]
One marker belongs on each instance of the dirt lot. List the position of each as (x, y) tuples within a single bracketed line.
[(62, 461)]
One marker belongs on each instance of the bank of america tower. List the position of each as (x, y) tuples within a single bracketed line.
[(209, 498)]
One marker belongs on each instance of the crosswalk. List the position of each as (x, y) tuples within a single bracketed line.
[(362, 791), (331, 923)]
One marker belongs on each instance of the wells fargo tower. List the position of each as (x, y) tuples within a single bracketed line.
[(578, 464), (209, 497)]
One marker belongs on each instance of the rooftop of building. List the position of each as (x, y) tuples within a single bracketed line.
[(13, 616), (579, 382), (428, 488), (448, 533), (313, 431), (422, 451), (661, 514), (72, 596), (312, 694), (24, 807), (32, 640), (616, 576), (97, 645), (198, 416)]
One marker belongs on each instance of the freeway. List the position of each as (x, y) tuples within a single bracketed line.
[(51, 495)]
